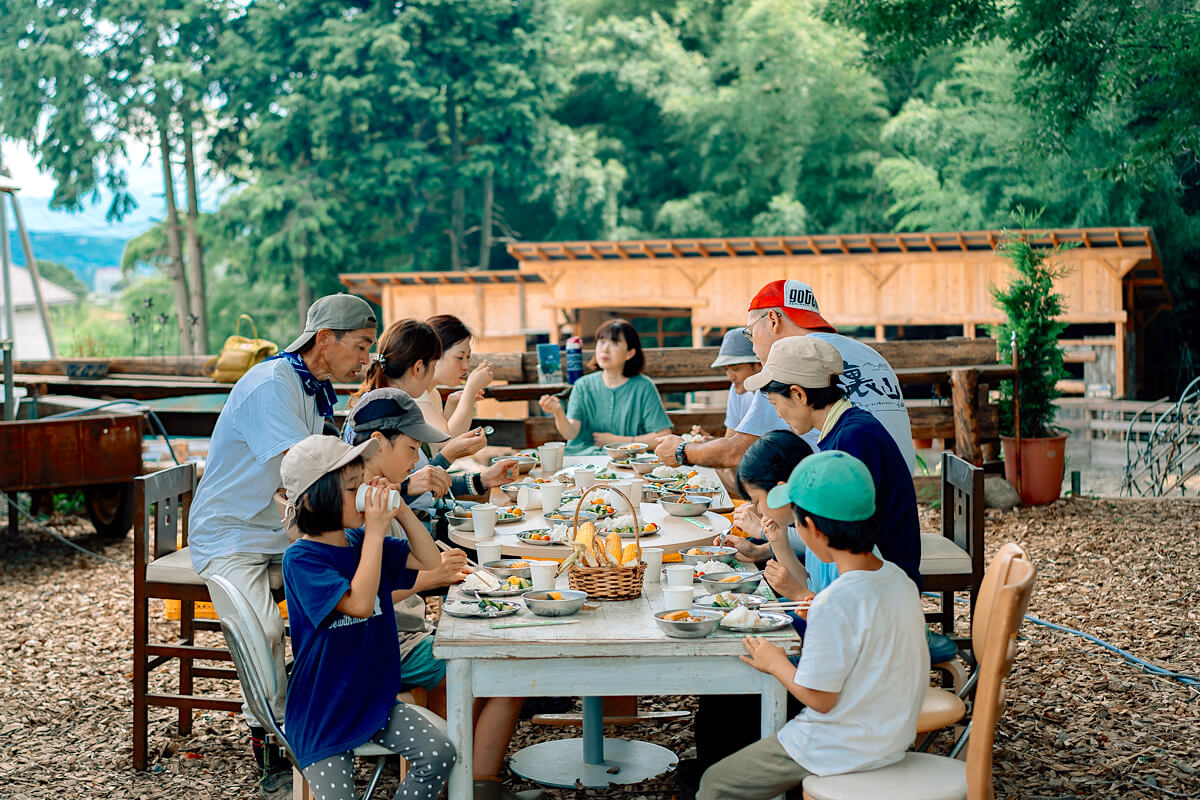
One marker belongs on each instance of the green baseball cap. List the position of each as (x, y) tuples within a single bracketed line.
[(831, 484)]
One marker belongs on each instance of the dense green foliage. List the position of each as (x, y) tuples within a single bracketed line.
[(361, 136)]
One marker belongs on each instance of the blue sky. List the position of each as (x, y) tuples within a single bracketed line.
[(144, 171)]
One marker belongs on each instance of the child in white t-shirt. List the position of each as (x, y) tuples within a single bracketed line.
[(864, 667)]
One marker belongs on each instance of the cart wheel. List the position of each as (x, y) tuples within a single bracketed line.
[(110, 508)]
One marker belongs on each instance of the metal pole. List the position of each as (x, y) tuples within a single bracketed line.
[(593, 730), (34, 275), (10, 394), (1017, 409), (10, 325)]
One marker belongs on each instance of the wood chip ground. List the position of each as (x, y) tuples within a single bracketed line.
[(1079, 721)]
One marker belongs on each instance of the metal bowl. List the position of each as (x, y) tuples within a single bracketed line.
[(710, 493), (511, 489), (620, 451), (539, 603), (524, 463), (690, 630), (711, 553), (643, 465), (713, 583), (503, 568), (463, 523), (692, 505)]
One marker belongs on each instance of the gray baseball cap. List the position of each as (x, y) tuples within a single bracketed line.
[(735, 349), (337, 312), (391, 409)]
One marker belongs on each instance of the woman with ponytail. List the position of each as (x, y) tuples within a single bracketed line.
[(404, 359)]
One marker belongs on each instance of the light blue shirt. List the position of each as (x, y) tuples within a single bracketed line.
[(752, 413), (234, 508)]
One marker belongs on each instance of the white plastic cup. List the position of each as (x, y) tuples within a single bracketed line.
[(551, 456), (487, 552), (360, 498), (624, 488), (484, 518), (551, 495), (678, 598), (635, 489), (585, 479), (679, 575), (652, 558), (543, 574)]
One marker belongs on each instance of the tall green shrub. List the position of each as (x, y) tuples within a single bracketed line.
[(1033, 310)]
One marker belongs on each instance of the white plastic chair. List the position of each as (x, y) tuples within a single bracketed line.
[(252, 656)]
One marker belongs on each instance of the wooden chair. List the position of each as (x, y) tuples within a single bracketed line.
[(162, 569), (1003, 599), (953, 560)]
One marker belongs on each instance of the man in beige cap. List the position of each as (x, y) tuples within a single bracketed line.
[(235, 529), (801, 379)]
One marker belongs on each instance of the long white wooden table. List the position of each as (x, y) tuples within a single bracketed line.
[(614, 650), (674, 534)]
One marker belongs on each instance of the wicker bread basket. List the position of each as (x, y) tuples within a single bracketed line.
[(608, 583)]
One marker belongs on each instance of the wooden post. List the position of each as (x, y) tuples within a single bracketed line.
[(964, 385)]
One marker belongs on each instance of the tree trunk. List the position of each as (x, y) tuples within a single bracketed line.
[(303, 296), (175, 244), (195, 248), (485, 219), (458, 198)]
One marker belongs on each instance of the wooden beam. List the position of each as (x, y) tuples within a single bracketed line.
[(784, 246), (964, 385)]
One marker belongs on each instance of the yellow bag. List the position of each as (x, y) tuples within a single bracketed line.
[(240, 354)]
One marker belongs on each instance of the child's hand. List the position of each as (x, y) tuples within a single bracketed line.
[(784, 582), (746, 518), (378, 515), (775, 533), (763, 656)]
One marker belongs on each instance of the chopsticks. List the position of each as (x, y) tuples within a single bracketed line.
[(534, 623), (790, 605)]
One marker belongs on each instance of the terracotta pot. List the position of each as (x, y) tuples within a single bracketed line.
[(1043, 462)]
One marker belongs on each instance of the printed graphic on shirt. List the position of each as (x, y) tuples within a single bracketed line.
[(862, 388), (345, 620)]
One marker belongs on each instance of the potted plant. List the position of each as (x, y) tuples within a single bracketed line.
[(84, 361), (1033, 324)]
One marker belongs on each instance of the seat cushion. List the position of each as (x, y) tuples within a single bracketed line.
[(940, 709), (173, 568), (941, 556), (918, 776)]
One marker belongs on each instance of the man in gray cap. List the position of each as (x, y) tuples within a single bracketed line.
[(235, 528), (748, 415)]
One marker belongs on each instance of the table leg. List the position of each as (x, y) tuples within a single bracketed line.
[(593, 730), (459, 703), (773, 708)]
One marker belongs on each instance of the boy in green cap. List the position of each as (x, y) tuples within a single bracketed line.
[(864, 668)]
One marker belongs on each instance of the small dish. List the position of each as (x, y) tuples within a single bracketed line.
[(526, 537), (482, 609), (507, 567), (624, 450), (569, 602), (768, 621), (731, 582), (709, 553), (685, 505), (525, 462), (507, 516), (700, 623)]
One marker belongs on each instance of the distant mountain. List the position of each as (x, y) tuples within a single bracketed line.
[(83, 255)]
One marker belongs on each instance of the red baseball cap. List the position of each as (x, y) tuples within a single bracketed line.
[(797, 301)]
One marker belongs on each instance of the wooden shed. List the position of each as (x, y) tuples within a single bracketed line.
[(1114, 287)]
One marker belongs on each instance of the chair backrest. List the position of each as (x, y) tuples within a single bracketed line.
[(251, 652), (162, 501), (963, 506), (1003, 599)]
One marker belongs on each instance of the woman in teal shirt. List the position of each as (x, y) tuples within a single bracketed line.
[(615, 405)]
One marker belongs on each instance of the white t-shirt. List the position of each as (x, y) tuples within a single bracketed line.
[(234, 508), (866, 641), (752, 413), (872, 385)]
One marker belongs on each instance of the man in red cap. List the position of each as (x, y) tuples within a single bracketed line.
[(789, 308)]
